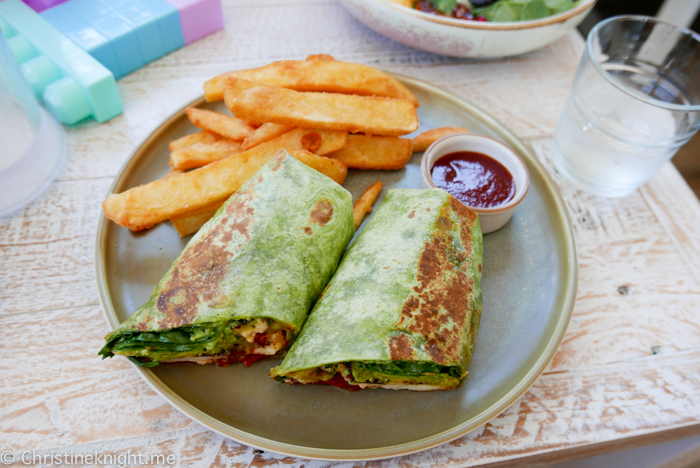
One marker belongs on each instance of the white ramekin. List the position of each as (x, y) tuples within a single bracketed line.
[(494, 218)]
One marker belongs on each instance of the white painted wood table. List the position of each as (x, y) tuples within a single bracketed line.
[(627, 373)]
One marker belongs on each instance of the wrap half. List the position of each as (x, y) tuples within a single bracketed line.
[(402, 311), (243, 286)]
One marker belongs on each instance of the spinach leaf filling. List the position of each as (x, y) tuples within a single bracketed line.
[(409, 372), (163, 345)]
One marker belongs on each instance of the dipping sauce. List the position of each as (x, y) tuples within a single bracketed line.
[(474, 179)]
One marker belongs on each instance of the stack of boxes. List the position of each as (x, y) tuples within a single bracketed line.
[(72, 52)]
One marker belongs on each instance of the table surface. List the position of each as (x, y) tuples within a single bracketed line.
[(627, 372)]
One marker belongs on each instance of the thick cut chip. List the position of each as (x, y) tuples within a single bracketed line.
[(320, 57), (336, 170), (425, 139), (372, 152), (194, 138), (142, 207), (364, 204), (172, 173), (201, 154), (263, 133), (189, 223), (221, 124), (319, 73), (259, 104), (330, 141)]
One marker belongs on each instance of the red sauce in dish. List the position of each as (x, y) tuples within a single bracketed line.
[(474, 179)]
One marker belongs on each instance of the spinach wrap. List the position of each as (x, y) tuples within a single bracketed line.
[(243, 286), (402, 311)]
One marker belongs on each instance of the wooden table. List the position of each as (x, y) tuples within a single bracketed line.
[(628, 369)]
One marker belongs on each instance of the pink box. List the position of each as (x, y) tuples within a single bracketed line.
[(41, 5), (199, 18)]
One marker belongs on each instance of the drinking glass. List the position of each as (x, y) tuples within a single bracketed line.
[(32, 143), (635, 100)]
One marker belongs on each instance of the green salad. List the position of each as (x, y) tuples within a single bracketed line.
[(495, 10)]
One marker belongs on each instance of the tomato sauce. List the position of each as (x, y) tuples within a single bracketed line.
[(340, 382), (239, 356), (474, 179)]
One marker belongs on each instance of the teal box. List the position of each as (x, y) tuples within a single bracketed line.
[(71, 83)]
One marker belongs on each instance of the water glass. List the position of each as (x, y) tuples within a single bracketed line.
[(635, 100)]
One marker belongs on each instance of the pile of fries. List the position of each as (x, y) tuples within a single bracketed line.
[(328, 114)]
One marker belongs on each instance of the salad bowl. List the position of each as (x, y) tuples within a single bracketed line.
[(464, 38)]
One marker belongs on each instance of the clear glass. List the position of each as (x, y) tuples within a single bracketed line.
[(635, 100), (32, 143)]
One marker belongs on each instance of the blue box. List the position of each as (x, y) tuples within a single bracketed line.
[(124, 35)]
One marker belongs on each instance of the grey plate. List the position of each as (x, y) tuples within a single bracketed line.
[(529, 285)]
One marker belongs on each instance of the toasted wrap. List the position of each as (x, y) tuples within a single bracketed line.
[(243, 286), (402, 311)]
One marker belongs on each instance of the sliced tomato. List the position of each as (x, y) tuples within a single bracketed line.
[(238, 356), (340, 382)]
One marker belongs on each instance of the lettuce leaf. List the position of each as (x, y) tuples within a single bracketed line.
[(522, 10), (444, 6), (168, 344), (411, 368)]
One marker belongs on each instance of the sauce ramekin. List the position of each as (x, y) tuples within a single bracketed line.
[(492, 218)]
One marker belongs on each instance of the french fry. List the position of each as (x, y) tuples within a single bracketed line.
[(263, 133), (172, 173), (259, 104), (191, 222), (425, 139), (221, 124), (320, 57), (201, 154), (144, 206), (189, 140), (364, 204), (336, 170), (373, 152), (318, 74), (330, 141)]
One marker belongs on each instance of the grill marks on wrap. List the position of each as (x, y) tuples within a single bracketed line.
[(401, 348), (438, 308), (322, 212), (196, 278)]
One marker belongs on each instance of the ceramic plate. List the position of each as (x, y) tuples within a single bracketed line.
[(529, 286)]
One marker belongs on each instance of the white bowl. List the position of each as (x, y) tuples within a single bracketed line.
[(494, 218), (463, 38)]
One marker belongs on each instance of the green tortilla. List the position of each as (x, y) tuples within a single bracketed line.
[(403, 308), (256, 268)]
